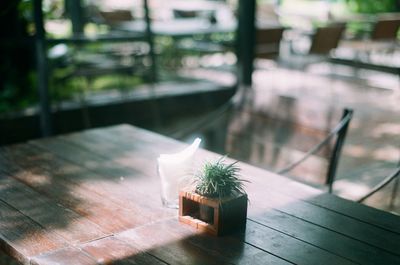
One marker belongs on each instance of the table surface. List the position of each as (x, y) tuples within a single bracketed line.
[(180, 27), (94, 196), (187, 27)]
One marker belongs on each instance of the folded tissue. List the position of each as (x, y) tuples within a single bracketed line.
[(176, 172)]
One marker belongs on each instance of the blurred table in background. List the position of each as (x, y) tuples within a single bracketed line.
[(178, 28)]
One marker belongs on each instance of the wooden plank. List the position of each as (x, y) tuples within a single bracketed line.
[(77, 198), (72, 227), (73, 187), (177, 243), (21, 238), (64, 256), (111, 250), (361, 212), (130, 134), (102, 158), (293, 250), (133, 150), (331, 241), (7, 260), (132, 156), (157, 240), (140, 147), (234, 250), (79, 156), (266, 197), (121, 183)]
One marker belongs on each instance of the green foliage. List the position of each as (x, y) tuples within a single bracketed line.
[(25, 10), (372, 6), (217, 179)]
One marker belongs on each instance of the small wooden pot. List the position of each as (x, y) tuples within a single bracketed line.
[(213, 215)]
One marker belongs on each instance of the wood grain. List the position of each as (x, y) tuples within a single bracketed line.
[(22, 238), (73, 227), (178, 244), (281, 186), (64, 256), (93, 197), (6, 259), (112, 250), (75, 188)]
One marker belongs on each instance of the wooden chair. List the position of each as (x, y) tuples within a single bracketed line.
[(384, 36), (339, 132), (115, 17), (386, 29), (323, 41), (268, 42), (184, 13), (326, 38), (382, 39)]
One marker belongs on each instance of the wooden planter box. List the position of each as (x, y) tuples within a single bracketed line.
[(212, 215)]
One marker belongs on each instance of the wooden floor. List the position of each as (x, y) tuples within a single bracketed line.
[(291, 110)]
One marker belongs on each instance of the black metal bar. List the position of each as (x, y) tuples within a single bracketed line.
[(42, 70), (366, 65), (394, 193), (334, 160), (378, 187), (395, 190), (316, 147), (246, 41), (150, 40)]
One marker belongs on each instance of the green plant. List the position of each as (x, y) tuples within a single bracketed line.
[(372, 6), (217, 179)]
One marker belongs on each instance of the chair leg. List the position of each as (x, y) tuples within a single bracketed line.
[(394, 193)]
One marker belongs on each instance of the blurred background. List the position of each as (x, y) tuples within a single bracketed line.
[(176, 67)]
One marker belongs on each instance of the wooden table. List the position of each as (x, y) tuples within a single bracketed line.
[(179, 28), (94, 196)]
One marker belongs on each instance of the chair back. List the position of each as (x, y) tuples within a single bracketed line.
[(339, 132), (268, 42), (337, 148), (385, 29), (185, 13), (116, 16), (327, 38)]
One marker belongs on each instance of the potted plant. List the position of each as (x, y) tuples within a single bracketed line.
[(218, 203)]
